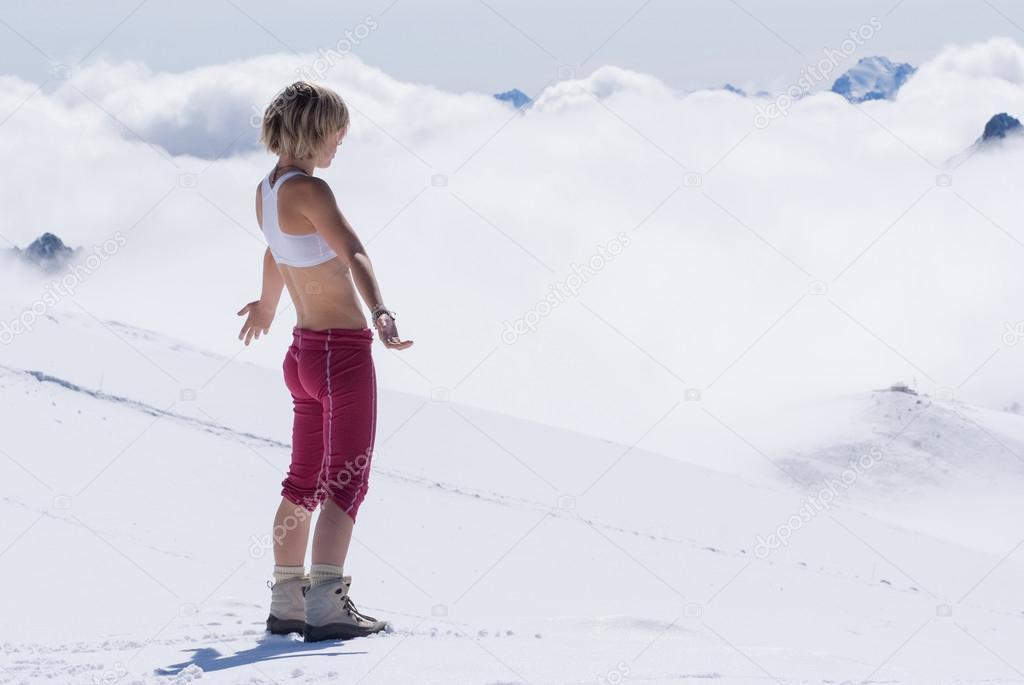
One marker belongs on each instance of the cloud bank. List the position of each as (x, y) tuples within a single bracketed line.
[(830, 252)]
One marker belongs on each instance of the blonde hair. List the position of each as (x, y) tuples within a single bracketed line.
[(300, 118)]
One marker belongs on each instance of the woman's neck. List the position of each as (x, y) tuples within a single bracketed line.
[(307, 165)]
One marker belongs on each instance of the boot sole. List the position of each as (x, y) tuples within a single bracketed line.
[(336, 631), (278, 626)]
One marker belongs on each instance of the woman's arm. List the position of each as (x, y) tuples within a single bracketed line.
[(317, 204), (273, 282), (260, 313)]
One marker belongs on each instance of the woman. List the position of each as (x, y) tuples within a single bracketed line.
[(328, 368)]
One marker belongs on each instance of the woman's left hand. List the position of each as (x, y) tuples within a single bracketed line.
[(257, 322), (388, 332)]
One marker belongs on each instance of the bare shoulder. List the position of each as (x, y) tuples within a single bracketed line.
[(312, 186), (311, 192)]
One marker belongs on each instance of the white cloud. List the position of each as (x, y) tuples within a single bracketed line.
[(602, 83), (709, 290), (999, 58)]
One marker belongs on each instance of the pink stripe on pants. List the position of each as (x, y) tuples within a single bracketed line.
[(333, 383)]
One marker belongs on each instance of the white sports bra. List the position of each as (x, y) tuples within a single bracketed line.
[(294, 250)]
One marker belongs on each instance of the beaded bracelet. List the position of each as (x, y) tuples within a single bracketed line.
[(381, 309)]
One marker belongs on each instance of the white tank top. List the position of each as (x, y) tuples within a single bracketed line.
[(294, 250)]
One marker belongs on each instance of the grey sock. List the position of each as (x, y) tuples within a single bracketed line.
[(324, 573)]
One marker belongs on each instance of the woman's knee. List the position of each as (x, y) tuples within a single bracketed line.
[(302, 494)]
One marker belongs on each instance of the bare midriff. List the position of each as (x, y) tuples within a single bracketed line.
[(324, 296)]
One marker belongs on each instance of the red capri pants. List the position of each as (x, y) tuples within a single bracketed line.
[(333, 384)]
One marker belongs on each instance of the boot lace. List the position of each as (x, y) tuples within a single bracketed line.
[(352, 611)]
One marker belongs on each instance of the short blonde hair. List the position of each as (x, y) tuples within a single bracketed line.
[(300, 118)]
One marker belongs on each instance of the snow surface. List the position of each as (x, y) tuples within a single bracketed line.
[(140, 476)]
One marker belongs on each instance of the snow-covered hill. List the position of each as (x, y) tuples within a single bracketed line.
[(140, 477)]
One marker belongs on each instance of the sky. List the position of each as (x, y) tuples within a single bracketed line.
[(494, 45)]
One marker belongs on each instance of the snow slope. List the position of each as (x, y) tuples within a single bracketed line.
[(140, 476)]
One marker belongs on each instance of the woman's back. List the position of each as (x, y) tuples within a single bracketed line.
[(319, 283), (291, 247)]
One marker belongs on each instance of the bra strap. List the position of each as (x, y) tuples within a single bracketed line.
[(284, 177)]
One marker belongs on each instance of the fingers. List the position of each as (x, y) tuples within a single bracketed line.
[(246, 328), (388, 335), (247, 331), (249, 328)]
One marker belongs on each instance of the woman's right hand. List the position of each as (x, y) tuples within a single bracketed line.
[(257, 322), (388, 332)]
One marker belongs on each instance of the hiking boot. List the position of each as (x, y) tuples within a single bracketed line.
[(331, 615), (287, 607)]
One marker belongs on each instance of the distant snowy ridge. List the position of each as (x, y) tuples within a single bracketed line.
[(1000, 127), (998, 130), (47, 251), (873, 78)]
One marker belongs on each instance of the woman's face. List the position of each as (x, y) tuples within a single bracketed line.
[(330, 148)]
